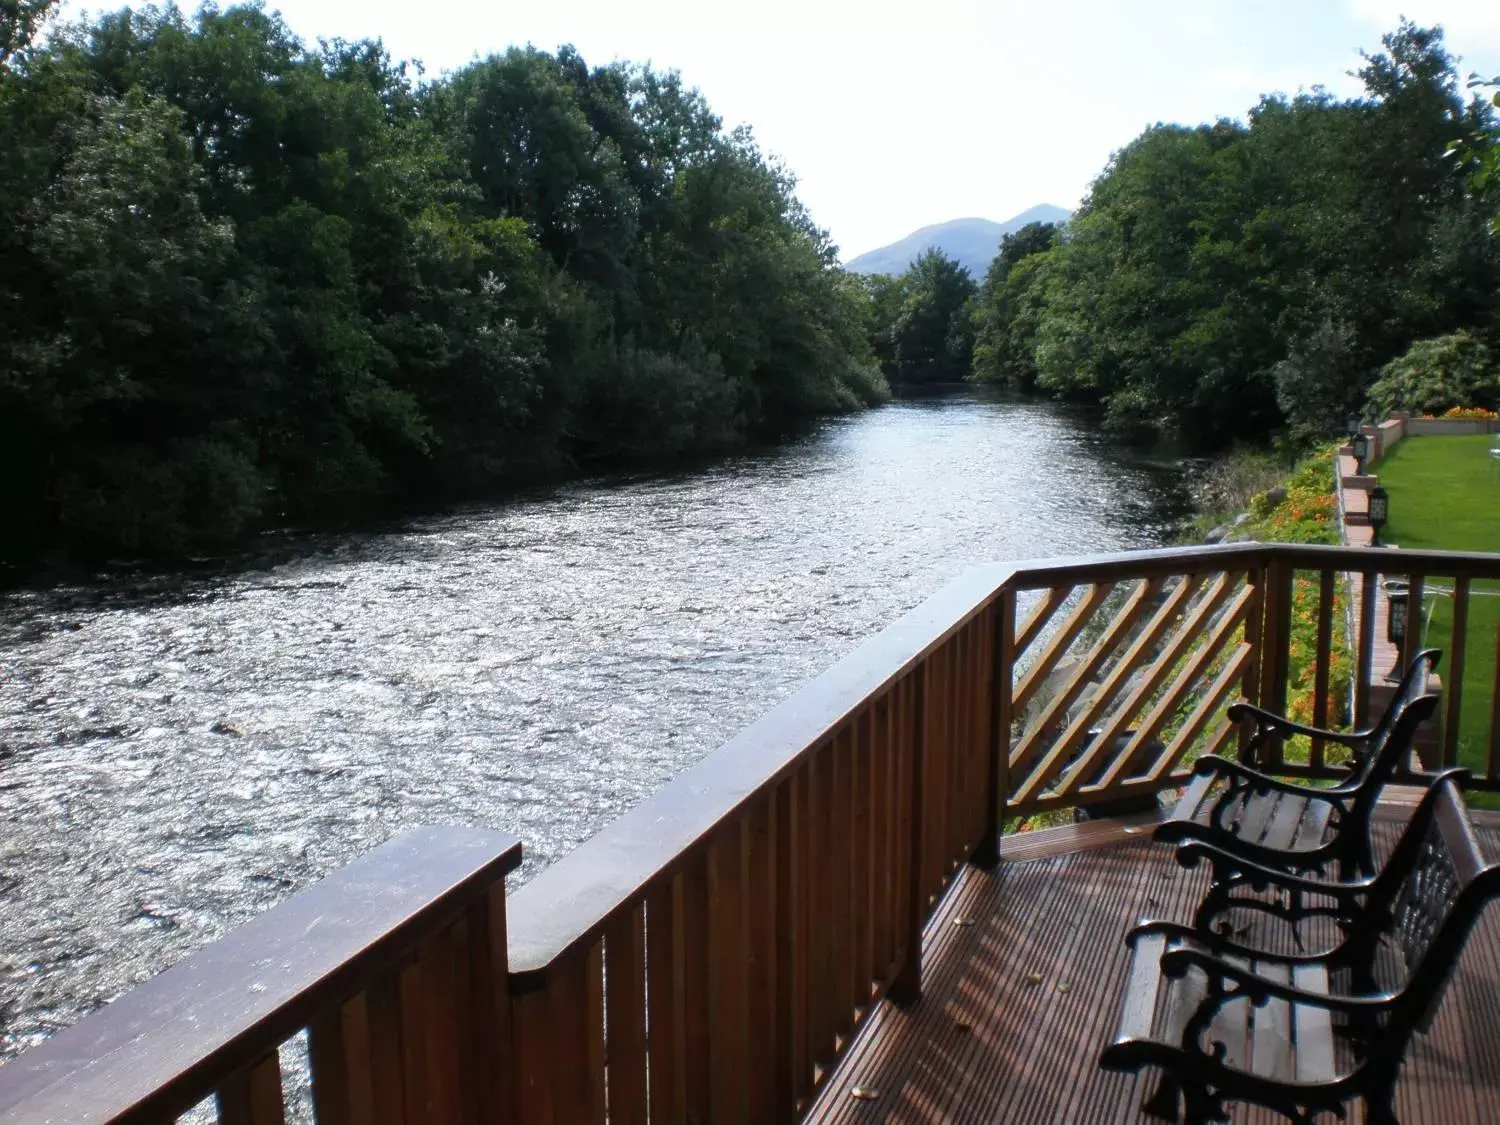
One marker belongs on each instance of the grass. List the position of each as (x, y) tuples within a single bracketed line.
[(1445, 496)]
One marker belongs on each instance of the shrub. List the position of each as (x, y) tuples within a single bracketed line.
[(1437, 375)]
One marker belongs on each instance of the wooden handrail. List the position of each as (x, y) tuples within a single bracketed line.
[(165, 1045)]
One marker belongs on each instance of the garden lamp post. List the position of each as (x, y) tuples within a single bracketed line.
[(1396, 595), (1380, 510), (1361, 444)]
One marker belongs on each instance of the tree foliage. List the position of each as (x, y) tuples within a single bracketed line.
[(249, 280), (1437, 375), (1231, 280), (920, 323)]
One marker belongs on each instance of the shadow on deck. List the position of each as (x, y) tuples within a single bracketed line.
[(1023, 976)]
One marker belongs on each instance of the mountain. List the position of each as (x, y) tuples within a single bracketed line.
[(973, 242)]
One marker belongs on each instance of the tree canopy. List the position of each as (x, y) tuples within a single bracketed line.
[(1227, 281), (248, 280)]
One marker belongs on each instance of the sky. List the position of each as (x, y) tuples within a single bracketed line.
[(896, 115)]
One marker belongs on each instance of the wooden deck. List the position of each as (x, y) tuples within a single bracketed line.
[(1022, 982)]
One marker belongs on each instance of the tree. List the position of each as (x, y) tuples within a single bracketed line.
[(932, 336), (247, 281)]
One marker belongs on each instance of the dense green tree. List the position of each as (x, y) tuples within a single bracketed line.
[(1007, 307), (246, 280), (1227, 281), (932, 338)]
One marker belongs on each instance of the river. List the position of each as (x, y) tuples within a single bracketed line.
[(179, 753)]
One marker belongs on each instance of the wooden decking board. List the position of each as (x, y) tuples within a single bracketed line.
[(985, 1044)]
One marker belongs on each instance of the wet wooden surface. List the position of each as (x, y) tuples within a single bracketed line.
[(1023, 978)]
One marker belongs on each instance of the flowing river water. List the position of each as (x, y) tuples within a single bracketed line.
[(179, 753)]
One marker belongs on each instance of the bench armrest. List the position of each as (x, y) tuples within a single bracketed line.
[(1238, 712), (1191, 852), (1228, 767), (1176, 963), (1222, 946)]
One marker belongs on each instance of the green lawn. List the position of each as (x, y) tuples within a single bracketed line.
[(1445, 496)]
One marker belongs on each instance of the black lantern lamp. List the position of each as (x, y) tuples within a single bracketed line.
[(1351, 427), (1380, 510), (1396, 594), (1361, 444)]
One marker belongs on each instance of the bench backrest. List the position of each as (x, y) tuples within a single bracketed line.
[(1431, 893), (1378, 753)]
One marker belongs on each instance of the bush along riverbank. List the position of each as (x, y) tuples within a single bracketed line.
[(1276, 504)]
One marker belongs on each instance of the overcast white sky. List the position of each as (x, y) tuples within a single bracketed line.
[(899, 114)]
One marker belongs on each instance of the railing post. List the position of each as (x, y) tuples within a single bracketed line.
[(1002, 656), (906, 988), (1275, 636)]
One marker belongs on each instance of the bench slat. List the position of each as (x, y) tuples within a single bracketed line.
[(1257, 813), (1140, 989), (1192, 804), (1231, 1026), (1183, 999), (1273, 1029), (1285, 826), (1313, 826), (1314, 1027)]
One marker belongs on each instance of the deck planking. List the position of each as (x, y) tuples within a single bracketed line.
[(1024, 974)]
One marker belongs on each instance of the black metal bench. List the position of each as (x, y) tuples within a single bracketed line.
[(1284, 825), (1304, 1034)]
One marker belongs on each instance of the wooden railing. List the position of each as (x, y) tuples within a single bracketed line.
[(394, 966), (707, 957), (1337, 591)]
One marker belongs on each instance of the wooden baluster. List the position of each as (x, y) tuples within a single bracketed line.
[(1367, 587), (1037, 619), (486, 1063), (253, 1096), (536, 1059), (1003, 671), (821, 1021), (625, 1000), (1324, 658), (694, 987), (438, 1041), (982, 699), (903, 743), (413, 1060), (862, 957), (727, 952), (970, 751), (935, 717), (1408, 648), (956, 720), (1277, 638), (1254, 630), (387, 1072), (840, 996), (1453, 675), (1416, 591), (559, 1030), (764, 924), (883, 822), (329, 1064), (664, 988), (794, 1068), (906, 987), (1492, 762)]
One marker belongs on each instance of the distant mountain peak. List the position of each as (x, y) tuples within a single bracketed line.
[(973, 243)]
